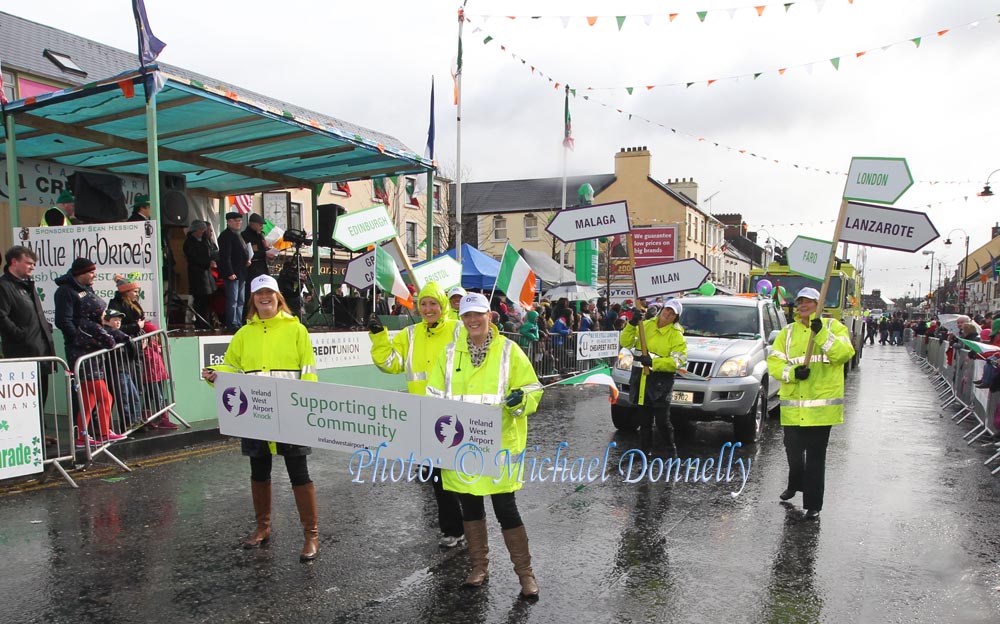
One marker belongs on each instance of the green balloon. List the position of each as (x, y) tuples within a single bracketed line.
[(707, 289)]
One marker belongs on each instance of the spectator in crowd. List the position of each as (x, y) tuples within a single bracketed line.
[(134, 324), (201, 284), (610, 320), (883, 330), (897, 330), (253, 236), (140, 208), (490, 370), (62, 213), (381, 306), (454, 299), (120, 372), (274, 340), (233, 263), (291, 283), (71, 289), (871, 327), (585, 323), (24, 332)]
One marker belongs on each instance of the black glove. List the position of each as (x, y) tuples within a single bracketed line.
[(645, 360), (802, 373), (515, 398), (651, 312), (375, 326), (816, 325), (635, 318)]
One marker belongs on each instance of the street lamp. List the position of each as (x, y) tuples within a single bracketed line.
[(965, 261), (987, 193), (930, 282)]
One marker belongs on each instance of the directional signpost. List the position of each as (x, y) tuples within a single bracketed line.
[(361, 271), (669, 277), (358, 230), (888, 228), (809, 257), (879, 180), (444, 270), (587, 222)]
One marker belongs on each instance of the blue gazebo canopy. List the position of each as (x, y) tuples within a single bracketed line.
[(478, 269)]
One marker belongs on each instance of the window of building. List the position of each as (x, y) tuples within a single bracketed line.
[(439, 241), (499, 228), (411, 239), (8, 85), (688, 228), (64, 62), (411, 200), (530, 227), (437, 197)]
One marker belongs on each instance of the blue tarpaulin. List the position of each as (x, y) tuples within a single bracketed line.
[(478, 269)]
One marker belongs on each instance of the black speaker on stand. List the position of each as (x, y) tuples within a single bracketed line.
[(174, 207), (328, 214)]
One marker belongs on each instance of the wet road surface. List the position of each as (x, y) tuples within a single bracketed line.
[(909, 533)]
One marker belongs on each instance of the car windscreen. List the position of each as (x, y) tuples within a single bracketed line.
[(794, 283), (720, 321)]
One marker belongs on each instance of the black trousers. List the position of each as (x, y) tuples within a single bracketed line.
[(504, 506), (298, 469), (805, 448), (449, 508)]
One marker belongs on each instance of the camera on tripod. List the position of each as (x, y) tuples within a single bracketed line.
[(297, 237)]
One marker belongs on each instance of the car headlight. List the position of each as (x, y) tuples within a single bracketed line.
[(734, 367), (624, 360)]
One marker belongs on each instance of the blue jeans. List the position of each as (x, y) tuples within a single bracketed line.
[(127, 398), (235, 297), (897, 337)]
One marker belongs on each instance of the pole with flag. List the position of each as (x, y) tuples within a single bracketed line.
[(457, 73), (599, 376), (567, 145), (429, 154), (389, 279), (515, 278)]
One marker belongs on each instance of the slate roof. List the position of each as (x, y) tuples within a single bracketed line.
[(534, 195)]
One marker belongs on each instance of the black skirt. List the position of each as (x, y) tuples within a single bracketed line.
[(659, 387)]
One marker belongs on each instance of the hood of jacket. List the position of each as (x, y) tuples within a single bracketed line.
[(434, 291), (531, 317), (67, 279)]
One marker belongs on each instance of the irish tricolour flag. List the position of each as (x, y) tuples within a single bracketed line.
[(980, 348), (388, 278), (516, 279), (600, 376)]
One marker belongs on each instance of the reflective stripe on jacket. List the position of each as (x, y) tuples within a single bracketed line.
[(665, 344), (818, 400), (415, 351), (505, 368)]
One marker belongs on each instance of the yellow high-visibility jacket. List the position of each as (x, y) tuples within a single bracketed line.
[(668, 350), (818, 400), (506, 368), (416, 349)]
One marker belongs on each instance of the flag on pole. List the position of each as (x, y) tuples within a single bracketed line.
[(456, 63), (149, 48), (516, 279), (379, 191), (242, 203), (274, 235), (388, 278), (568, 141), (982, 275), (600, 376), (420, 185), (980, 348)]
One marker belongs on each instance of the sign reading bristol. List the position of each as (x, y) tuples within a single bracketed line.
[(889, 228)]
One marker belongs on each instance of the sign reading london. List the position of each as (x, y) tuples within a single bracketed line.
[(889, 228), (669, 277), (588, 222), (357, 230), (879, 180), (809, 257)]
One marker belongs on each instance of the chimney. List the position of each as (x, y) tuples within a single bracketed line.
[(632, 163), (687, 186)]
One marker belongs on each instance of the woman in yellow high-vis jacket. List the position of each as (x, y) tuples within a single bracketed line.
[(812, 398), (667, 355), (414, 351), (486, 368), (274, 343)]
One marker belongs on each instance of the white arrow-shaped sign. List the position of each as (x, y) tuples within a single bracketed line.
[(444, 270), (809, 257), (879, 180), (889, 228), (669, 277), (361, 271), (588, 222), (357, 230)]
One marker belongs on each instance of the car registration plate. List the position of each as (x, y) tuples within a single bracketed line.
[(682, 397)]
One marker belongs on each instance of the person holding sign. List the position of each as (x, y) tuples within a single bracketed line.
[(484, 367), (415, 351), (667, 354), (812, 397), (274, 343)]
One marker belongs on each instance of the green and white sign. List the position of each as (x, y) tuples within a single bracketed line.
[(402, 427), (444, 270), (879, 180), (20, 427), (358, 230), (809, 257)]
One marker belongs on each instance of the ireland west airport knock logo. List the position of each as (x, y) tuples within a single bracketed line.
[(449, 430), (235, 401)]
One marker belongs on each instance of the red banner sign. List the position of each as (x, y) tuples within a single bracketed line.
[(653, 245)]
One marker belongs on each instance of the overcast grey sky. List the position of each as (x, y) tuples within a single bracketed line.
[(371, 63)]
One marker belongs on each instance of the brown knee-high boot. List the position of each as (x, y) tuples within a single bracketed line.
[(517, 546), (305, 500), (479, 550), (261, 491)]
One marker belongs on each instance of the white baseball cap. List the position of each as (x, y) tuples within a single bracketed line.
[(457, 290), (675, 305), (473, 302), (808, 293), (263, 281)]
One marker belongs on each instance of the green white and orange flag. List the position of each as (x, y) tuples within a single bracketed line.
[(600, 376), (980, 348), (388, 278), (516, 279)]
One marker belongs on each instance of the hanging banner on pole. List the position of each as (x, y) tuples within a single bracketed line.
[(888, 228), (879, 180)]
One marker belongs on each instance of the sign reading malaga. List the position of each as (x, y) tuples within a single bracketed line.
[(393, 426), (588, 222)]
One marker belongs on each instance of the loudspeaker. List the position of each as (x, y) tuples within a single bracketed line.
[(99, 197), (174, 208), (328, 214)]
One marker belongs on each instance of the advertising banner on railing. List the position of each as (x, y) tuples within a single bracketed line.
[(595, 345), (406, 430), (127, 248), (20, 427)]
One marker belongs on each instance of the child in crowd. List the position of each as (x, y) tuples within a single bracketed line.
[(121, 371)]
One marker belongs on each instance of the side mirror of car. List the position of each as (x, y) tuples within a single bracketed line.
[(772, 336)]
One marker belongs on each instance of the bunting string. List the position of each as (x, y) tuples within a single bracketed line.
[(963, 198)]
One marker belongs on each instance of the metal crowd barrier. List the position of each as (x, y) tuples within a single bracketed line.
[(955, 385), (54, 390), (121, 390), (555, 355)]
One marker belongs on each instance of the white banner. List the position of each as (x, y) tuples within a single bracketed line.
[(41, 182), (20, 427), (126, 248), (593, 345), (408, 427)]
